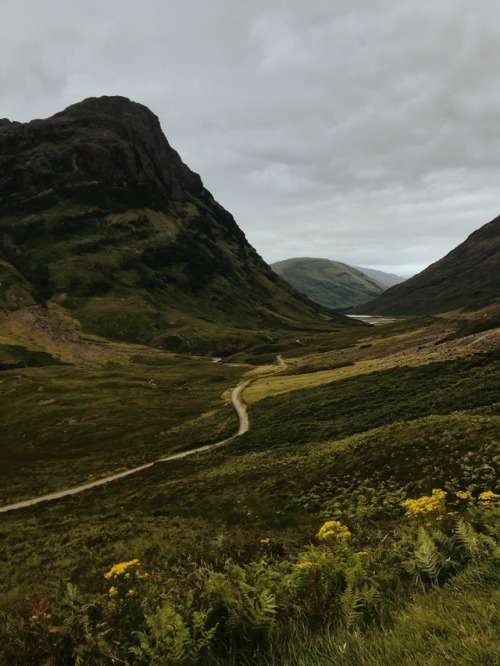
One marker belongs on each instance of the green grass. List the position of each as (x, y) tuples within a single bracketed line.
[(17, 356), (329, 283), (359, 403), (62, 425), (183, 280), (351, 451), (273, 481), (456, 625)]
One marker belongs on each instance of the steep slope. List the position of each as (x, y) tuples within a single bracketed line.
[(100, 215), (385, 279), (467, 277), (330, 283)]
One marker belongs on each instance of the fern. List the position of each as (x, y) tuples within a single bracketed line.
[(351, 599), (426, 557), (169, 639), (477, 546)]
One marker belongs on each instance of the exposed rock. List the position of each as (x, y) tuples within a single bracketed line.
[(106, 141), (99, 214)]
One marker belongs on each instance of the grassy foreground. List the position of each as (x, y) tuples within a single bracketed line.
[(357, 522)]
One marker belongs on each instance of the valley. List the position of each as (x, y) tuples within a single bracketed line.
[(346, 430), (200, 466)]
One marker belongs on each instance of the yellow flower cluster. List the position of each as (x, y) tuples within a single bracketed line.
[(120, 568), (332, 528), (304, 565), (112, 591), (488, 496), (426, 504), (265, 541), (464, 494)]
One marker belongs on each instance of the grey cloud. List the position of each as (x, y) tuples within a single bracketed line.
[(365, 132)]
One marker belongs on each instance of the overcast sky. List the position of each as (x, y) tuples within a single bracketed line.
[(366, 132)]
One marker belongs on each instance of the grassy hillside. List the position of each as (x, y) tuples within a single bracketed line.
[(233, 566), (330, 283), (467, 277)]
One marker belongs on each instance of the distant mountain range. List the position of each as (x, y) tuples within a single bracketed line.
[(332, 283), (386, 279), (467, 277), (99, 215)]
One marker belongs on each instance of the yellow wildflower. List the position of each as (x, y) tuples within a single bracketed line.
[(463, 494), (304, 565), (112, 591), (332, 528), (265, 541), (488, 496), (120, 568), (131, 592), (426, 504)]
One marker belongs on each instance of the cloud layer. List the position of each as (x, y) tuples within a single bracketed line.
[(364, 132)]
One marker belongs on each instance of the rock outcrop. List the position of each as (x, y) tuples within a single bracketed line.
[(100, 215)]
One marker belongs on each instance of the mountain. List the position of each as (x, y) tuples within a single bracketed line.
[(330, 283), (385, 279), (100, 216), (467, 277)]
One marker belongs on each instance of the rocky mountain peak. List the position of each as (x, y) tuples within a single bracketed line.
[(99, 215), (100, 144)]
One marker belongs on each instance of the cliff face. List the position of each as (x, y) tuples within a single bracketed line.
[(107, 142), (98, 213)]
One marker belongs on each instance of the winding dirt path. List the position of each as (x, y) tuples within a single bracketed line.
[(244, 425)]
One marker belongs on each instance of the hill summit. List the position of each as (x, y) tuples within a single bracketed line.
[(467, 277), (99, 215), (330, 283)]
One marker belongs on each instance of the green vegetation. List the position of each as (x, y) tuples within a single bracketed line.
[(355, 524), (467, 277), (231, 569), (15, 291), (335, 600), (360, 403), (112, 226), (90, 422), (329, 283), (16, 356)]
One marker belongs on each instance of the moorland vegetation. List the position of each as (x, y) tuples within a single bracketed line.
[(355, 523)]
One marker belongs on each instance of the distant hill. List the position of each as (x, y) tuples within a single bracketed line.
[(330, 283), (98, 214), (386, 279), (467, 277)]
